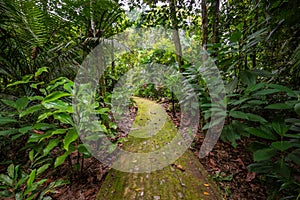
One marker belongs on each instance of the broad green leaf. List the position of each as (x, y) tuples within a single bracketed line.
[(237, 102), (6, 180), (59, 131), (31, 178), (102, 111), (31, 110), (33, 188), (238, 114), (53, 143), (239, 128), (6, 120), (256, 118), (261, 133), (247, 116), (283, 89), (31, 155), (264, 154), (69, 87), (71, 136), (40, 71), (263, 73), (56, 104), (9, 103), (229, 134), (297, 108), (21, 181), (83, 150), (236, 36), (11, 171), (58, 183), (42, 169), (25, 129), (44, 116), (36, 98), (56, 95), (254, 146), (280, 127), (295, 156), (43, 126), (21, 103), (266, 92), (35, 85), (60, 159), (64, 118), (278, 106), (257, 102), (26, 79), (9, 132), (60, 81), (255, 87), (282, 145), (248, 78), (39, 137)]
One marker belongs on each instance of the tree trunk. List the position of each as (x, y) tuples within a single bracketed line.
[(176, 38), (215, 37), (256, 26), (204, 25)]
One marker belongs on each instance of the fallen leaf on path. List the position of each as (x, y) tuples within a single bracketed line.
[(180, 167), (250, 176)]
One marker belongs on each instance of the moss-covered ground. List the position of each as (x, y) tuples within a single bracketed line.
[(183, 179)]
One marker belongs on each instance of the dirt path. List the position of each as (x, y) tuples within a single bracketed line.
[(183, 179)]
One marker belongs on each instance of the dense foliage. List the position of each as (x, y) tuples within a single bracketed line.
[(255, 45)]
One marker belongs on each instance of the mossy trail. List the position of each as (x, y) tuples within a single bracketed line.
[(184, 179)]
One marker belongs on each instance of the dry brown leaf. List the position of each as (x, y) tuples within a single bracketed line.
[(250, 176), (38, 132)]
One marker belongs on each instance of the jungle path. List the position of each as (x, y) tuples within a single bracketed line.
[(184, 179)]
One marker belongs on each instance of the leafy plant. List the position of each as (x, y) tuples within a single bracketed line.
[(21, 185)]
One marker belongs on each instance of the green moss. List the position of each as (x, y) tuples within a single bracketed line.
[(185, 179)]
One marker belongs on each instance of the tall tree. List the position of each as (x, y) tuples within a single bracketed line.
[(204, 28), (176, 38), (215, 21)]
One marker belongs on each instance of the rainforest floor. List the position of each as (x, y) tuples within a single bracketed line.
[(224, 164)]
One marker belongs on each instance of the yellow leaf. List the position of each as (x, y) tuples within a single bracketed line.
[(205, 193), (206, 185), (180, 167)]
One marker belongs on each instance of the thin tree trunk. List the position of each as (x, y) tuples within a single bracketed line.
[(176, 38), (256, 26), (92, 19), (215, 37), (204, 28)]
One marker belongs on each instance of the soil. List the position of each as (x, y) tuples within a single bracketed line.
[(225, 164)]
